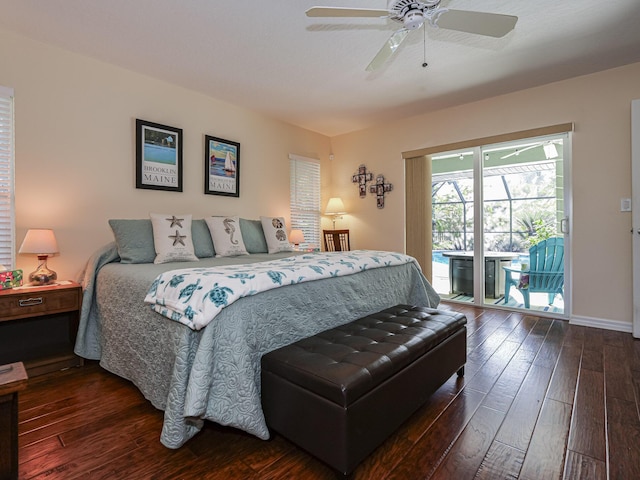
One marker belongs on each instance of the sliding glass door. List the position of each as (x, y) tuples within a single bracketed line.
[(499, 224)]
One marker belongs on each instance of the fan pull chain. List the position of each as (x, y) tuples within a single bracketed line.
[(424, 47)]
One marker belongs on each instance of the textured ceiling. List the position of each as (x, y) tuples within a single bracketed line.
[(269, 57)]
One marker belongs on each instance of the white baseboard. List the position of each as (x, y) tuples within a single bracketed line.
[(604, 323)]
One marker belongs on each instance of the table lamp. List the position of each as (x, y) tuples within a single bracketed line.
[(335, 207), (41, 242), (296, 237)]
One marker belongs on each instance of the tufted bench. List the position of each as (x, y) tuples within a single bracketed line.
[(339, 394)]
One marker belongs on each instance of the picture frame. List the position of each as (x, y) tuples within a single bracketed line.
[(158, 156), (221, 167)]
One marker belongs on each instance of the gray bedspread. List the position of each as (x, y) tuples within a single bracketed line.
[(214, 373)]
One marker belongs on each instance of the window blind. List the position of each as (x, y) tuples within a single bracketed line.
[(7, 227), (305, 198)]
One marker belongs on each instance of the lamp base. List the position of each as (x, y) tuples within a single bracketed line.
[(42, 276)]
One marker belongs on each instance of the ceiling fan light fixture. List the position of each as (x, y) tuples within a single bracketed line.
[(413, 19)]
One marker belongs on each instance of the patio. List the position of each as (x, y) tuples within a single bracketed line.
[(520, 186), (442, 284)]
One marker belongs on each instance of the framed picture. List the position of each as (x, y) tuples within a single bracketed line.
[(221, 167), (158, 156)]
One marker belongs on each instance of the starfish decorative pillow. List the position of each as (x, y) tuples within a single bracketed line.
[(172, 238)]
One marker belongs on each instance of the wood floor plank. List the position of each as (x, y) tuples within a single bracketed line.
[(523, 329), (426, 415), (468, 451), (500, 462), (618, 378), (385, 458), (613, 338), (296, 466), (506, 387), (518, 426), (565, 376), (537, 335), (72, 416), (482, 352), (581, 467), (494, 423), (587, 434), (136, 464), (574, 335), (592, 360), (592, 357), (623, 430), (35, 450), (475, 318), (493, 367), (427, 453), (545, 455), (135, 419), (550, 350), (67, 461)]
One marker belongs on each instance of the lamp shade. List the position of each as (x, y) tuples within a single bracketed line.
[(39, 241), (296, 236), (335, 207)]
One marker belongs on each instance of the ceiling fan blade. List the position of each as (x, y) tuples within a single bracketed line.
[(519, 151), (481, 23), (388, 49), (345, 12)]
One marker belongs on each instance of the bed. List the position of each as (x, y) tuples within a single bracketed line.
[(214, 373)]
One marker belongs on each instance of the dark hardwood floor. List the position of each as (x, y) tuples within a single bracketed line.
[(541, 399)]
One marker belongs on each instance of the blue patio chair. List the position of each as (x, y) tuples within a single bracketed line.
[(545, 272)]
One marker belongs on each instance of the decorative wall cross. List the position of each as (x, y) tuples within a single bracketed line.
[(361, 178), (380, 188)]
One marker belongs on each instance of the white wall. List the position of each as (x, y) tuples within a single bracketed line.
[(75, 158), (598, 104), (75, 149)]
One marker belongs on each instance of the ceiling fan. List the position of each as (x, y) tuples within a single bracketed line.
[(550, 150), (412, 14)]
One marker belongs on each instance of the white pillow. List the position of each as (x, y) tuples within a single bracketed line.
[(172, 238), (226, 236), (275, 232)]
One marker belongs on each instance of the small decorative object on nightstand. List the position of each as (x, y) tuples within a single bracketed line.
[(296, 237), (38, 326), (13, 379), (42, 242)]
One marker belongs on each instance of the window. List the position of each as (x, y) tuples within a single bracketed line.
[(7, 227), (305, 198)]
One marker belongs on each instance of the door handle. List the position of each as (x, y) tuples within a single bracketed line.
[(564, 225)]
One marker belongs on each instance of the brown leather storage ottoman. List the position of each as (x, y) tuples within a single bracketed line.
[(339, 394)]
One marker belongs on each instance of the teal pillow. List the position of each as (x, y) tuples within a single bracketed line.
[(202, 243), (134, 240), (253, 236)]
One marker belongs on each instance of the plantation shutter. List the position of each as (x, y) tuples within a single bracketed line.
[(7, 249), (305, 198)]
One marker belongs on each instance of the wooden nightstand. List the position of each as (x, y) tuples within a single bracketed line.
[(13, 379), (38, 326)]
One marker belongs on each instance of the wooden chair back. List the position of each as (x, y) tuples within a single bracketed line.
[(336, 240)]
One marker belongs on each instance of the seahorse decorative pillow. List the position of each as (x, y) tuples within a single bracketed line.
[(172, 238), (226, 236), (275, 232)]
